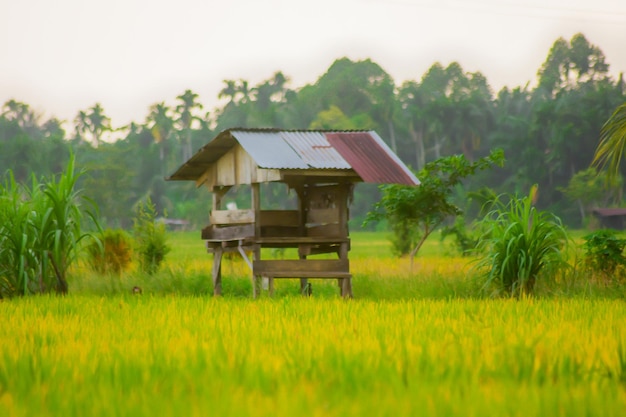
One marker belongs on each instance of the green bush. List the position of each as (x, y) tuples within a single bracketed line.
[(604, 253), (150, 238), (464, 240), (521, 244), (113, 254)]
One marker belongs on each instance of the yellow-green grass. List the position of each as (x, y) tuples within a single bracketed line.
[(418, 342), (196, 356), (377, 274)]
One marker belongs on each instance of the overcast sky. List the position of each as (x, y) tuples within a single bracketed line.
[(62, 56)]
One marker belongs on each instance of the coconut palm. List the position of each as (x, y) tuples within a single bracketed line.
[(188, 104), (612, 143)]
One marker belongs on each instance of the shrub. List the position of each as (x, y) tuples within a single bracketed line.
[(521, 243), (150, 238), (464, 240), (604, 253), (113, 254)]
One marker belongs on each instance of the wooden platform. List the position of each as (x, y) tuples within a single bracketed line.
[(302, 268)]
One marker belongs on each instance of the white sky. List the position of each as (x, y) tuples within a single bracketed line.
[(62, 56)]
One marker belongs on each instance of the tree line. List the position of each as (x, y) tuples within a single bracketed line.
[(548, 132)]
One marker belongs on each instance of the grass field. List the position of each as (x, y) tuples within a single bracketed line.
[(409, 343)]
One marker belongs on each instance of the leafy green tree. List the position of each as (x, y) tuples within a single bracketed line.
[(414, 212), (588, 189)]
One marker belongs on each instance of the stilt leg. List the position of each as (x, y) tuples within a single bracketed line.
[(217, 271)]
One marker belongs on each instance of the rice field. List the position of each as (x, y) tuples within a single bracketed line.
[(409, 343)]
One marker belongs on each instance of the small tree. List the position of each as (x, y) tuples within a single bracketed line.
[(414, 212), (150, 238)]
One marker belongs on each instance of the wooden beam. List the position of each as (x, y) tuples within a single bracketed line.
[(302, 268), (227, 217)]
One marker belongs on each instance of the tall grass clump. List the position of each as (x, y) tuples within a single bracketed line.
[(150, 238), (40, 233), (113, 254), (520, 245)]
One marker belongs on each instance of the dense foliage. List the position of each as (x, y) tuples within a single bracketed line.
[(548, 132), (414, 212)]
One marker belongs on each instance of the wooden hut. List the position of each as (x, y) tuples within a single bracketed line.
[(320, 166)]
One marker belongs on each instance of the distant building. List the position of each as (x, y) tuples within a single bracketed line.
[(611, 218)]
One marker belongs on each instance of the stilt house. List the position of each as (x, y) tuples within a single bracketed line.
[(320, 166)]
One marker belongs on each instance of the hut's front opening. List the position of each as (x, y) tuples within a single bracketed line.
[(317, 224)]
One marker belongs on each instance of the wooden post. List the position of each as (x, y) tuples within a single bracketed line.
[(217, 271), (256, 279), (345, 283), (304, 283)]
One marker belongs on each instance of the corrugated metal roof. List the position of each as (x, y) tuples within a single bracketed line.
[(269, 150), (314, 149), (371, 158), (363, 151)]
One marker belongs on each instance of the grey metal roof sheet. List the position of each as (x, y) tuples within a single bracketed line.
[(269, 150)]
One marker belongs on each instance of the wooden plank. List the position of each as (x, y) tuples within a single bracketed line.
[(328, 230), (280, 231), (227, 217), (228, 233), (323, 216), (302, 268), (280, 218), (226, 169)]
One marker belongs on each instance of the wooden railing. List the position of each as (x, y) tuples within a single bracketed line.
[(240, 224)]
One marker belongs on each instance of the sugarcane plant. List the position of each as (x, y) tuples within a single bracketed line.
[(41, 229), (520, 244)]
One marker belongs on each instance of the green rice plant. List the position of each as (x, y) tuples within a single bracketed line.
[(112, 254), (521, 244)]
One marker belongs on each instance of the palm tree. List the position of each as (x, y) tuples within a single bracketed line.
[(186, 118), (229, 91), (160, 124), (612, 143), (98, 123)]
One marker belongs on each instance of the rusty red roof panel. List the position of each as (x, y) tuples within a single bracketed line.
[(371, 158)]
